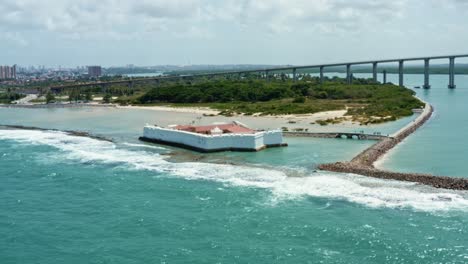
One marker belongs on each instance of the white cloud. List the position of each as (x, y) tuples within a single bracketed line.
[(293, 15), (166, 9), (89, 17)]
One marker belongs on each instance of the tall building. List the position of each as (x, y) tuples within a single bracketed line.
[(94, 71), (7, 72)]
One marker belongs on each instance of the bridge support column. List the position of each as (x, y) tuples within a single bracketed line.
[(130, 85), (267, 76), (294, 75), (451, 73), (400, 73), (374, 71), (348, 74), (104, 88), (384, 76), (426, 74), (321, 75)]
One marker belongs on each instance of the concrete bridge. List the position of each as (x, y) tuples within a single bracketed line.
[(293, 69), (345, 135)]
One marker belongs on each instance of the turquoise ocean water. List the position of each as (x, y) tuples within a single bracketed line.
[(69, 199)]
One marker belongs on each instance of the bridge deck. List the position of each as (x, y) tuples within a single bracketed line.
[(258, 70), (348, 135)]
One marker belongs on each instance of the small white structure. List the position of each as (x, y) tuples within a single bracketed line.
[(219, 137)]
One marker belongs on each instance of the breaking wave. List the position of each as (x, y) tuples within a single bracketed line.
[(143, 146), (282, 184)]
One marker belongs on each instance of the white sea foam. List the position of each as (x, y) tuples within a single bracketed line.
[(363, 190), (143, 146)]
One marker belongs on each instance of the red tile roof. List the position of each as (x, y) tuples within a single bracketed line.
[(226, 128)]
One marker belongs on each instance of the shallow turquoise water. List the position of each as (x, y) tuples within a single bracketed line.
[(68, 199), (442, 146)]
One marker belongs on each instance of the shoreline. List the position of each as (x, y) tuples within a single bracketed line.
[(210, 111), (69, 105), (290, 122), (205, 116), (182, 109), (196, 110), (364, 162)]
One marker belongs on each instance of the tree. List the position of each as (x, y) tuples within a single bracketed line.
[(88, 96), (107, 98), (74, 95), (71, 96), (50, 97)]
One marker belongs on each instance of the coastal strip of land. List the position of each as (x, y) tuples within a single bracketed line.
[(363, 163)]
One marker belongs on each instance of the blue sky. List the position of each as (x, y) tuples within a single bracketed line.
[(155, 32)]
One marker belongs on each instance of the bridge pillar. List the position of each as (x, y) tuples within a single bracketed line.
[(267, 76), (321, 74), (374, 71), (104, 88), (130, 85), (294, 75), (426, 74), (400, 72), (384, 76), (348, 74), (451, 73)]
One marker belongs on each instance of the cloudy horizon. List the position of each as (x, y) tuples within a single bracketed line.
[(158, 32)]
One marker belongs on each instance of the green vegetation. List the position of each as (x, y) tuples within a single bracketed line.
[(8, 97), (88, 96), (254, 94), (49, 97), (107, 98), (327, 121), (80, 95), (75, 95), (273, 107), (366, 101)]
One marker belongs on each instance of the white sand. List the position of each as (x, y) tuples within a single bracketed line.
[(167, 115), (195, 110), (209, 111)]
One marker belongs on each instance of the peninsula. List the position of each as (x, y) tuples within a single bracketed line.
[(364, 101)]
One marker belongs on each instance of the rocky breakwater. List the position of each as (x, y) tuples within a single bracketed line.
[(363, 163)]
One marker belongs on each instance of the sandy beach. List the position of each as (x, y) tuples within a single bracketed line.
[(204, 116), (209, 111), (165, 115), (169, 115), (195, 110)]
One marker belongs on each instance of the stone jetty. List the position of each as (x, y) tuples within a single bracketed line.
[(363, 163)]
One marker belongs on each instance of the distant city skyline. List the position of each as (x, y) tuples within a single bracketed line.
[(180, 32)]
